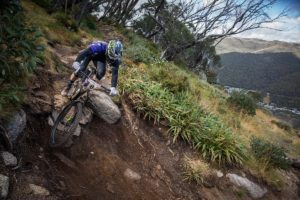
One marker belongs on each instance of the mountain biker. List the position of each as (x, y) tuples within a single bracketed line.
[(100, 53)]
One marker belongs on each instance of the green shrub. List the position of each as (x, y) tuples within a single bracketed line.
[(139, 49), (242, 102), (10, 99), (169, 77), (66, 21), (90, 22), (271, 153), (139, 53), (256, 95), (18, 53), (46, 4)]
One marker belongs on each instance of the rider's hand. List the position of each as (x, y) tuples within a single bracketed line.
[(113, 91), (76, 65)]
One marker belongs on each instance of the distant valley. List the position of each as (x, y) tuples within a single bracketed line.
[(267, 66)]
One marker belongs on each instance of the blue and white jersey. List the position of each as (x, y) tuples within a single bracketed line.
[(98, 47)]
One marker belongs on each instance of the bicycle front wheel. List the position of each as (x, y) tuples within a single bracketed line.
[(65, 124)]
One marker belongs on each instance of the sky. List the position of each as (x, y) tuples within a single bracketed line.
[(290, 24)]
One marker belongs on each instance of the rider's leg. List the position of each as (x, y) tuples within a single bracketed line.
[(114, 78), (101, 69), (79, 65), (115, 71)]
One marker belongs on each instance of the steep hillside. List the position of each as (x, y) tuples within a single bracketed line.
[(178, 136)]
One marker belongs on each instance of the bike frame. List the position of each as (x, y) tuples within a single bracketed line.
[(85, 89)]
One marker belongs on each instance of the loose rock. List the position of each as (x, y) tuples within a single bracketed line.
[(16, 125), (132, 174), (109, 188), (4, 185), (9, 159), (104, 107), (38, 190), (219, 173), (87, 116), (254, 190), (77, 131)]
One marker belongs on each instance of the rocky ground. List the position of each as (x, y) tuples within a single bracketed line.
[(131, 159)]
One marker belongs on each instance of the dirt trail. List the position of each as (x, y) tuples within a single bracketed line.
[(105, 152), (94, 167)]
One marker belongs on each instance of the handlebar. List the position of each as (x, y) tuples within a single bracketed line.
[(93, 84)]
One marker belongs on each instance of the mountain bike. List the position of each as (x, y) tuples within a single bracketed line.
[(68, 119)]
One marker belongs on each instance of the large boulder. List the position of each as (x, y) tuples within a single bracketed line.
[(87, 116), (15, 125), (9, 159), (104, 107), (254, 190)]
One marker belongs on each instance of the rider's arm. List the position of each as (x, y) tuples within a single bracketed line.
[(83, 58), (115, 70)]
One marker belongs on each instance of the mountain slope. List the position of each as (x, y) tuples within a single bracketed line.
[(261, 72), (267, 66), (249, 45)]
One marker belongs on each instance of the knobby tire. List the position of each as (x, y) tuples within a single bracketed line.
[(53, 140)]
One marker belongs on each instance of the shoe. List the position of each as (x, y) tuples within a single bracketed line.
[(113, 91), (65, 92)]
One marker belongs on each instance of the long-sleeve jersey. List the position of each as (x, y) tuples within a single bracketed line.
[(97, 52)]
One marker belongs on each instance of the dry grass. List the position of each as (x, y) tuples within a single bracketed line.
[(196, 170), (261, 169)]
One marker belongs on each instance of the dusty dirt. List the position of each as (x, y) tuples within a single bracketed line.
[(94, 166)]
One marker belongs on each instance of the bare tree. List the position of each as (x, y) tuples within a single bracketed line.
[(215, 19), (118, 11)]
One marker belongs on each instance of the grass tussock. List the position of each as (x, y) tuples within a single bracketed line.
[(196, 170), (185, 118)]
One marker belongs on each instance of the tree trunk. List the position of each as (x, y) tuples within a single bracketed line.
[(66, 6), (82, 11)]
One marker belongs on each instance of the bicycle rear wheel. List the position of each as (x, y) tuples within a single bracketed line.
[(65, 124)]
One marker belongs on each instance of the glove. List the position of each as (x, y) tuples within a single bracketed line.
[(113, 91), (76, 65)]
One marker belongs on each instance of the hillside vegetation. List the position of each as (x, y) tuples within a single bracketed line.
[(165, 93)]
